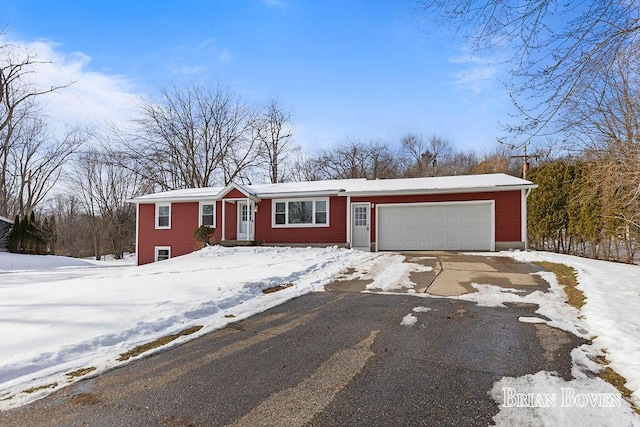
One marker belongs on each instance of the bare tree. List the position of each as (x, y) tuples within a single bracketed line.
[(18, 96), (273, 131), (192, 137), (354, 159), (105, 188), (304, 167), (554, 43), (421, 157), (37, 161)]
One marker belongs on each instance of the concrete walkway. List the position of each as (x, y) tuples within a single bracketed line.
[(438, 273)]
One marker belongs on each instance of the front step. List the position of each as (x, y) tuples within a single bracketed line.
[(231, 243)]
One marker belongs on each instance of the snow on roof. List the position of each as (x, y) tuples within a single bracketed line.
[(438, 184), (355, 186), (328, 186), (183, 194)]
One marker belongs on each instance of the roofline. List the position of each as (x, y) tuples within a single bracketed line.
[(318, 193), (137, 200), (231, 186), (5, 219), (333, 192), (437, 191)]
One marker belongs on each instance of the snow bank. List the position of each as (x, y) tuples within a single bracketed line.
[(51, 328), (612, 309)]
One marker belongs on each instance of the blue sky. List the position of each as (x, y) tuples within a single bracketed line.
[(345, 69)]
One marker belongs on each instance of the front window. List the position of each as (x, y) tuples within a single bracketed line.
[(163, 216), (208, 214), (299, 213)]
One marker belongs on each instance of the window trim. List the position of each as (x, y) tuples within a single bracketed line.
[(156, 249), (157, 216), (301, 199), (200, 205)]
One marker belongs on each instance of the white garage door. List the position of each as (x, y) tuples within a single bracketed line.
[(435, 226)]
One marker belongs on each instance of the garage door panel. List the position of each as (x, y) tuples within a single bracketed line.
[(435, 227)]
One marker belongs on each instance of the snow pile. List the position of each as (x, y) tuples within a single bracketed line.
[(51, 329), (551, 304), (388, 272), (409, 320), (612, 309)]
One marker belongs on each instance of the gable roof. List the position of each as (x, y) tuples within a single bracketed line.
[(349, 187)]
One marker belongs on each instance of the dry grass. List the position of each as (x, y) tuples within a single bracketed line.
[(81, 372), (618, 381), (138, 350), (277, 288), (40, 387), (567, 277)]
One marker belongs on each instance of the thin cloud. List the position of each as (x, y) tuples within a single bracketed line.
[(92, 97), (478, 74)]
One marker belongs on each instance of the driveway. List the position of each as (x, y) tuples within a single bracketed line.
[(334, 358), (438, 273)]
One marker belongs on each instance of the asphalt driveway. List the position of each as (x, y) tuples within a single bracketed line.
[(334, 358)]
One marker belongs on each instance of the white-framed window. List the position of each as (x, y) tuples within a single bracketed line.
[(208, 213), (300, 213), (162, 252), (163, 215)]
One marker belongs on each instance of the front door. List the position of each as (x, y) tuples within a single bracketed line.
[(245, 221), (360, 234)]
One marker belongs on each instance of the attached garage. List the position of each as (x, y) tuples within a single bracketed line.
[(452, 226)]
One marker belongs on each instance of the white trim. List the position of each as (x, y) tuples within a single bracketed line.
[(368, 205), (160, 248), (348, 221), (155, 219), (492, 210), (137, 234), (250, 233), (313, 212), (232, 185), (224, 220), (411, 192), (206, 202), (525, 228)]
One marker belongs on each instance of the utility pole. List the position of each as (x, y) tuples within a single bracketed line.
[(525, 157)]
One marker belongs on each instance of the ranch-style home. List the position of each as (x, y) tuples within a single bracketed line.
[(471, 212)]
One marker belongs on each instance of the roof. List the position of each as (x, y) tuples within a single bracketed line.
[(4, 219), (352, 187)]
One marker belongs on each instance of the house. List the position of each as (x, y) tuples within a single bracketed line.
[(471, 212), (5, 228)]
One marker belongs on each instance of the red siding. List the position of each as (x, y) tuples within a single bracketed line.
[(335, 233), (507, 209), (235, 194), (184, 219), (231, 219)]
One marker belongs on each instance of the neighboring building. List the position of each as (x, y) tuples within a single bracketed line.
[(471, 212), (5, 228)]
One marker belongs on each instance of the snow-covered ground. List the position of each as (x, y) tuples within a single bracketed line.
[(610, 317), (58, 315)]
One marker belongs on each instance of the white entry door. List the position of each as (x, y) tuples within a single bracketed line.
[(245, 221), (360, 226)]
